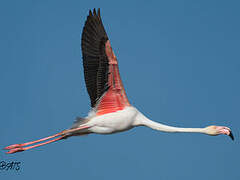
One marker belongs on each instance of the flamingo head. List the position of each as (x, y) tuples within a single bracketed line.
[(216, 130)]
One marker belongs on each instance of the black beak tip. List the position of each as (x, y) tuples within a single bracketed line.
[(231, 135)]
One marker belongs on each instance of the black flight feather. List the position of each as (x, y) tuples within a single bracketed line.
[(95, 61)]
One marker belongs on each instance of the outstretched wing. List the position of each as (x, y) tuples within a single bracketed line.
[(101, 71)]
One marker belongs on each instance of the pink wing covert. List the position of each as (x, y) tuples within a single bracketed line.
[(115, 98)]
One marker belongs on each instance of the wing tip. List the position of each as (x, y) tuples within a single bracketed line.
[(94, 12)]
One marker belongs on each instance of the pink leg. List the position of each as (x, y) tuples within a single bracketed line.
[(19, 147), (32, 142)]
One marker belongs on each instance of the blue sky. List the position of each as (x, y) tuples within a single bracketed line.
[(180, 65)]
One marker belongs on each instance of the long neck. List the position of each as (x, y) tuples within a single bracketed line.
[(144, 121)]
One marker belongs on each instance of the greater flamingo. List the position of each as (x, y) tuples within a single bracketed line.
[(111, 111)]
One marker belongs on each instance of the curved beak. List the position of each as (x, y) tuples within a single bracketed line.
[(231, 135)]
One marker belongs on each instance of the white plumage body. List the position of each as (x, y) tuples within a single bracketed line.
[(113, 122)]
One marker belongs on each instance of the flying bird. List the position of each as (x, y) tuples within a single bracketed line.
[(110, 111)]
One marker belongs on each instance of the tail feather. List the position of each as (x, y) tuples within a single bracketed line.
[(79, 121)]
